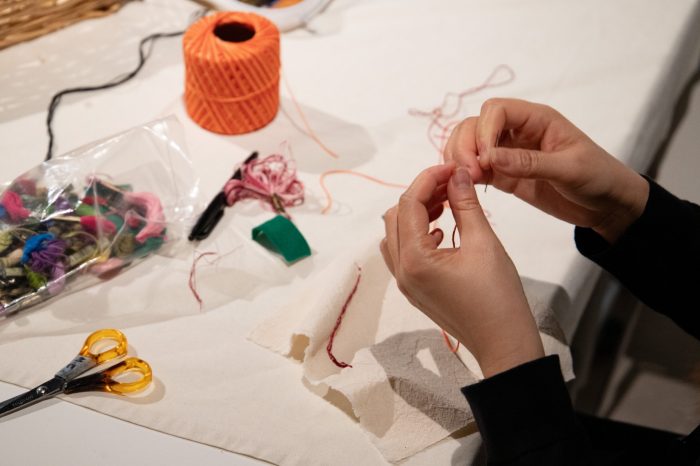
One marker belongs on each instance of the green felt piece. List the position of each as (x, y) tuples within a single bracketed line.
[(280, 235), (85, 209)]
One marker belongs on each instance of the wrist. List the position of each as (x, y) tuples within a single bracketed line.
[(630, 203), (506, 353)]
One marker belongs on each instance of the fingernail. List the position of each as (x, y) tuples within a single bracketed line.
[(484, 155), (461, 178)]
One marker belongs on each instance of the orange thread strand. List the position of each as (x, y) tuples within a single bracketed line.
[(453, 349), (329, 197), (309, 131)]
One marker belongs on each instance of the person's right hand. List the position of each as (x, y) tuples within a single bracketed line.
[(532, 151)]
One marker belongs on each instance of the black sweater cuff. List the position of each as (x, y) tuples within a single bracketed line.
[(522, 409), (661, 212), (652, 258)]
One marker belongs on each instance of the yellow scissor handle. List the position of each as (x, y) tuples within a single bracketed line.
[(106, 380), (112, 353), (128, 365)]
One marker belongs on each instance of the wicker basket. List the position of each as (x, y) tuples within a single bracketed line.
[(22, 20)]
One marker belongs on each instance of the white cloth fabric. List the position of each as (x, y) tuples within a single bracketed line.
[(612, 67), (401, 386)]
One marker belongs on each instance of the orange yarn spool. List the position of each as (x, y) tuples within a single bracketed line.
[(232, 71)]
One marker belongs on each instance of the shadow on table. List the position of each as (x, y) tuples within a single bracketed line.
[(422, 370), (350, 142), (155, 290)]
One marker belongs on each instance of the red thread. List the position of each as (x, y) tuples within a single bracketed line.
[(96, 225), (272, 180), (192, 282), (329, 198), (442, 122), (329, 348), (193, 271), (94, 200)]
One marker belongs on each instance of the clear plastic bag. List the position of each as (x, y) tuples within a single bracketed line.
[(83, 217)]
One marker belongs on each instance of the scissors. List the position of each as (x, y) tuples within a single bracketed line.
[(67, 381)]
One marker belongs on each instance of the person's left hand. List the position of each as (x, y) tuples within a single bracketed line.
[(473, 291)]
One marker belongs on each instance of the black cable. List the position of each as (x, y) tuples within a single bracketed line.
[(143, 56)]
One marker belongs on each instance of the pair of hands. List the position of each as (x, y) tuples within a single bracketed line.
[(474, 291)]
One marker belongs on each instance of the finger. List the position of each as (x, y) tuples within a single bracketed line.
[(462, 149), (385, 254), (463, 138), (500, 115), (437, 235), (468, 214), (533, 164), (391, 236), (412, 216), (439, 197), (435, 212)]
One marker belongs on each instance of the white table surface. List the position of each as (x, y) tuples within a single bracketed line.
[(616, 76)]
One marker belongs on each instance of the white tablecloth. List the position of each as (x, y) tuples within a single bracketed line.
[(614, 68)]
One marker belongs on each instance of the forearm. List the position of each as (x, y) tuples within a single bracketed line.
[(656, 257)]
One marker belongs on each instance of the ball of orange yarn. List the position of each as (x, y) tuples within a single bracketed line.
[(232, 70)]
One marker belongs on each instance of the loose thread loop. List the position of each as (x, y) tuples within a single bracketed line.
[(443, 121), (329, 348), (437, 116)]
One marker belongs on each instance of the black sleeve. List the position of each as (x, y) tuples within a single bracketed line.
[(525, 417), (657, 258)]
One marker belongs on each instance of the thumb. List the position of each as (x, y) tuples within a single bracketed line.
[(526, 163), (465, 205)]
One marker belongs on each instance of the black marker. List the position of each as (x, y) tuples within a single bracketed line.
[(215, 210)]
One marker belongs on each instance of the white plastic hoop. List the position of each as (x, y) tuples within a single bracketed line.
[(286, 19)]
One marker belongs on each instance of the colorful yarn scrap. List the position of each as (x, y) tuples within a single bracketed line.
[(14, 207), (272, 179)]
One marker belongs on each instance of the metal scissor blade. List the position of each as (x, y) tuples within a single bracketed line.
[(44, 391)]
